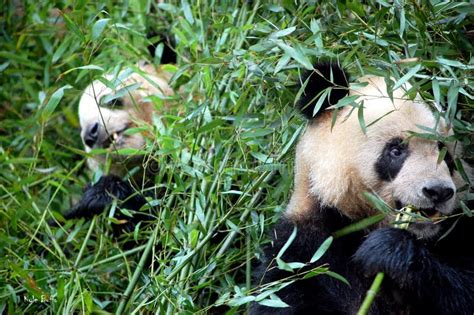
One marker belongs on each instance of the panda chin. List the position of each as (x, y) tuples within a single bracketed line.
[(424, 230)]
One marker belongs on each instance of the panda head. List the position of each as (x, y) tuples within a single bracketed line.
[(336, 164), (105, 114)]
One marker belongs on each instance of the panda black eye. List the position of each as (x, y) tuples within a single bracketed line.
[(391, 159), (396, 152), (115, 103), (397, 149)]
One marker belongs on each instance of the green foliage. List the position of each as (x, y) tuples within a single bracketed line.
[(224, 150)]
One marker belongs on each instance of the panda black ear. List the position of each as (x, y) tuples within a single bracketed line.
[(323, 76), (168, 55)]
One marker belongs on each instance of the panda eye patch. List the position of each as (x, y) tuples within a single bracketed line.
[(391, 159), (115, 103), (111, 101)]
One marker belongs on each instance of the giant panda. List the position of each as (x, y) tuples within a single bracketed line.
[(105, 113), (108, 108), (428, 267)]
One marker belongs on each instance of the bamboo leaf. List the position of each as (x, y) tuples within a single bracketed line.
[(240, 301), (290, 240), (322, 249), (321, 100), (283, 33), (407, 76), (53, 102), (338, 277), (71, 25), (358, 226), (436, 91), (88, 67), (296, 54), (98, 28), (275, 301), (442, 155), (360, 117)]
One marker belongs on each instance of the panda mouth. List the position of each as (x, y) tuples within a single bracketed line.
[(114, 137), (427, 213), (430, 213)]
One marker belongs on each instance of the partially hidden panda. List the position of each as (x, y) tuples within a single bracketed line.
[(428, 267), (108, 109), (106, 114)]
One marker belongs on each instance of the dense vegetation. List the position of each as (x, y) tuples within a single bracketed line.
[(224, 150)]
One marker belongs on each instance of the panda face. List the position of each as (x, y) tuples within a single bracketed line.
[(417, 179), (336, 166), (106, 114)]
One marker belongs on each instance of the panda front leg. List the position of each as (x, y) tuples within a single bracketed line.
[(96, 198), (100, 195), (427, 282)]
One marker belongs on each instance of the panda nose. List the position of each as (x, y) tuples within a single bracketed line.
[(438, 193), (91, 135)]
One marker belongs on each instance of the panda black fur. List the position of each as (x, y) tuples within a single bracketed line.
[(424, 274), (96, 198)]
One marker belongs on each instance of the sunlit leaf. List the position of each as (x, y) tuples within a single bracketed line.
[(53, 102)]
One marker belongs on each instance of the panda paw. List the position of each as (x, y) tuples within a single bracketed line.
[(96, 198), (99, 196), (392, 251)]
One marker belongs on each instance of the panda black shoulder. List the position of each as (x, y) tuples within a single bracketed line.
[(314, 82)]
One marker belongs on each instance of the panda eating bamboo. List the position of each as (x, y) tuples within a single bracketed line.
[(108, 110), (428, 267)]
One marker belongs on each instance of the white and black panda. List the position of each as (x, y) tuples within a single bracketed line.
[(424, 273), (106, 112)]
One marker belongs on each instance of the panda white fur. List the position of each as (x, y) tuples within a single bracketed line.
[(333, 168)]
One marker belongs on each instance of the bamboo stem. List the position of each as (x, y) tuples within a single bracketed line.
[(371, 293), (136, 275)]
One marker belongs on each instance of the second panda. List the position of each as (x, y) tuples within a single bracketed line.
[(424, 272), (106, 114), (108, 109)]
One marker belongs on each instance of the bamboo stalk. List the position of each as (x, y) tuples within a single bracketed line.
[(136, 275), (371, 293)]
